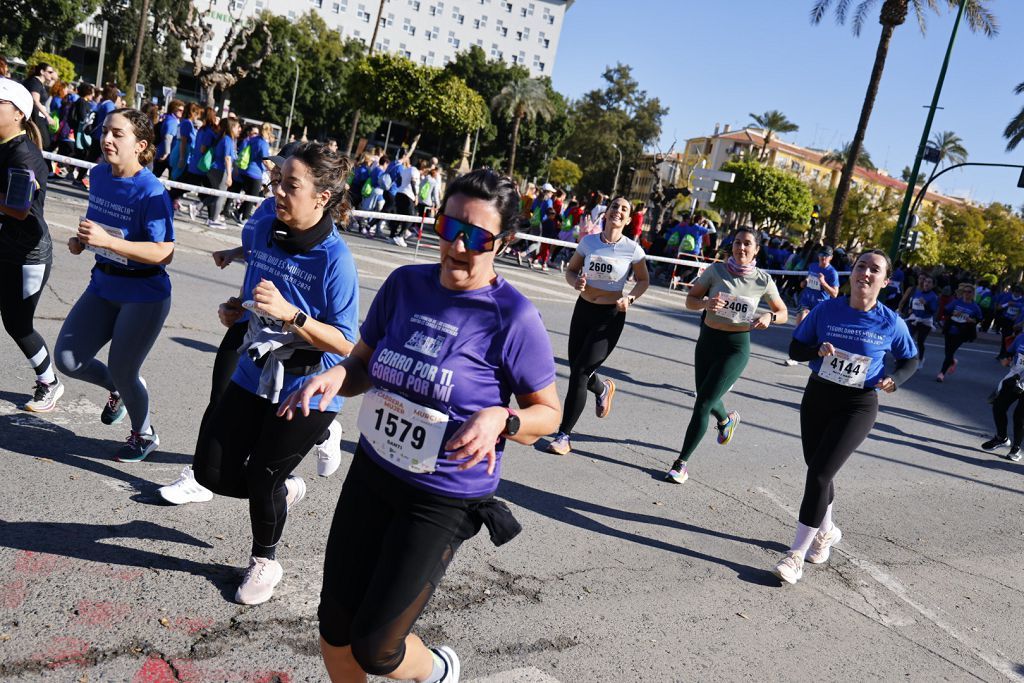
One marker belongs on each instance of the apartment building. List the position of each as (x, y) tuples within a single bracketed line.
[(429, 32)]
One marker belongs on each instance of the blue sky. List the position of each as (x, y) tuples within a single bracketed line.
[(715, 61)]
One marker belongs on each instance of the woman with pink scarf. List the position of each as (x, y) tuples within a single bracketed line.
[(729, 294)]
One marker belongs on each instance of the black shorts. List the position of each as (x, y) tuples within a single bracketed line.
[(389, 546)]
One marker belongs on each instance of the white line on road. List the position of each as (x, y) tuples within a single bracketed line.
[(894, 586)]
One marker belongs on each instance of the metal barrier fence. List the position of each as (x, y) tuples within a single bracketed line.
[(700, 265)]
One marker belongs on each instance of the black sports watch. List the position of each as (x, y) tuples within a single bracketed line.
[(299, 320), (512, 423)]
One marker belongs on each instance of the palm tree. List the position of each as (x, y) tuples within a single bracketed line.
[(1014, 132), (951, 147), (526, 98), (893, 14), (772, 122), (839, 156)]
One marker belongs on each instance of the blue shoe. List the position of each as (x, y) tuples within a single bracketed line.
[(726, 431), (138, 446), (114, 411)]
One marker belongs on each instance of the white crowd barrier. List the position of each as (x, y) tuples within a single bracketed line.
[(688, 263)]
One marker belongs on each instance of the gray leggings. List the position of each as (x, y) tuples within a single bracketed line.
[(215, 205), (131, 329)]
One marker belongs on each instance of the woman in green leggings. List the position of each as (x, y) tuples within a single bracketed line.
[(728, 293)]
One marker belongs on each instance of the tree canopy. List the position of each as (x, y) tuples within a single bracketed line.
[(621, 113), (766, 195), (51, 25)]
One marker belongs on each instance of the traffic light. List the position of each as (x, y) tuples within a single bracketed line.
[(1020, 181), (815, 215), (910, 240)]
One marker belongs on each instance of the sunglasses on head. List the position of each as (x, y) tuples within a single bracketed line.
[(473, 236)]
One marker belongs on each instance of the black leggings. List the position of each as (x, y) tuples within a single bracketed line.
[(254, 187), (390, 545), (405, 205), (953, 342), (244, 426), (20, 289), (224, 365), (834, 421), (1007, 396), (920, 332), (593, 333)]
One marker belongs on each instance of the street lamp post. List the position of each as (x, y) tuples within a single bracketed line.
[(291, 112), (912, 180), (618, 167)]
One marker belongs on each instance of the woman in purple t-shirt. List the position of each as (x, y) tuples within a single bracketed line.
[(443, 349)]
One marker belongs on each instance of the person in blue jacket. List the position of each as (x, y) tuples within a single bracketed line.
[(252, 175), (922, 305), (962, 316), (302, 295), (129, 225), (845, 341)]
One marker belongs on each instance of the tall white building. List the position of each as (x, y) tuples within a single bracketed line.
[(429, 32)]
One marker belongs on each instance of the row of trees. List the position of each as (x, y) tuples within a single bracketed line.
[(516, 123)]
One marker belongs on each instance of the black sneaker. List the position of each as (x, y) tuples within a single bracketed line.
[(995, 442), (138, 446), (1014, 454), (114, 411)]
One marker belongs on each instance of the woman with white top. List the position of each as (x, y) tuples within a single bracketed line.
[(598, 270)]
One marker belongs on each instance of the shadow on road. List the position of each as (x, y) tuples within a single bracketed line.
[(33, 436), (205, 347), (90, 542), (572, 511)]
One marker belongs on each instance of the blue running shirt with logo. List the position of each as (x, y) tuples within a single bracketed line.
[(863, 333), (322, 282), (809, 297), (958, 312), (455, 352), (140, 208)]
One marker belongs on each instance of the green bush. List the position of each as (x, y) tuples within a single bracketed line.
[(64, 67)]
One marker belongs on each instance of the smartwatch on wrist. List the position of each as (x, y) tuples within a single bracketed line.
[(299, 320), (512, 423), (774, 317), (631, 299)]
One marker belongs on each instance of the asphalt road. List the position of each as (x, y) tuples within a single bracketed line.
[(617, 576)]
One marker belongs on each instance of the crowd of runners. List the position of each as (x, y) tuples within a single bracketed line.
[(438, 357)]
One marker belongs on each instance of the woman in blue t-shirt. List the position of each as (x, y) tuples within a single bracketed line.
[(129, 225), (961, 326), (922, 305), (443, 350), (252, 174), (225, 153), (845, 340), (302, 295)]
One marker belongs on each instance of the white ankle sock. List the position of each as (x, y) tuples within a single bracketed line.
[(804, 536), (826, 523)]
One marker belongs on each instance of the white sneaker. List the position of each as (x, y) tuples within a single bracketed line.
[(452, 666), (185, 490), (45, 396), (822, 544), (328, 453), (790, 568), (216, 225), (260, 579), (398, 240), (790, 362), (296, 490)]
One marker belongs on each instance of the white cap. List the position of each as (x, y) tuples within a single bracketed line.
[(16, 94), (547, 187)]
